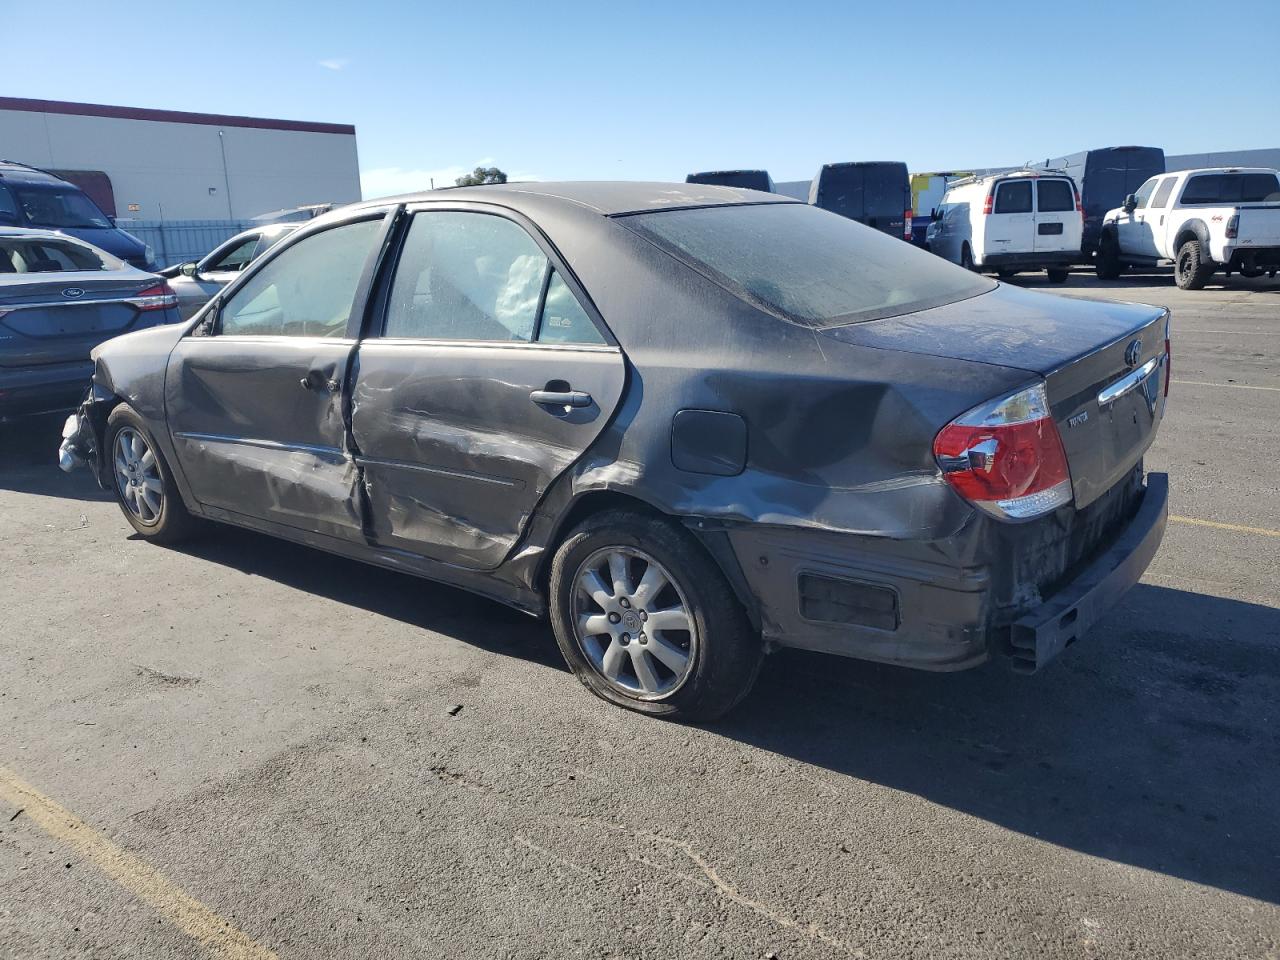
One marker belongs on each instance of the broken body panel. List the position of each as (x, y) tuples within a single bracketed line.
[(801, 457)]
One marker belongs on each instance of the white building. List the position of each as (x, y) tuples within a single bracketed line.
[(169, 165)]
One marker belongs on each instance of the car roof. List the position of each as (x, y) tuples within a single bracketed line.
[(606, 197), (20, 172), (1225, 170), (36, 233)]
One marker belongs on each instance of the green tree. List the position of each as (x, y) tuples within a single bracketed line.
[(482, 175)]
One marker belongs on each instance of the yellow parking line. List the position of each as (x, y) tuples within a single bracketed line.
[(1235, 527), (1238, 386), (143, 881)]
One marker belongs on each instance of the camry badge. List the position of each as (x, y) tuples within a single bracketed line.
[(73, 293), (1132, 352)]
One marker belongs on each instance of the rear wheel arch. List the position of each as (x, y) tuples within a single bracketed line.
[(1192, 230)]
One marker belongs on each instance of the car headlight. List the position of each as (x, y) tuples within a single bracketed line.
[(149, 253)]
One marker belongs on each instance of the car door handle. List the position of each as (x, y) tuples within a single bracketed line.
[(316, 380), (561, 398)]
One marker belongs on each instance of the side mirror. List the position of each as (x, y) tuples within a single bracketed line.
[(933, 213), (1130, 203), (188, 269)]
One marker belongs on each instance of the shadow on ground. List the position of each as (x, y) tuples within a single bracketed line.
[(29, 461), (1153, 742)]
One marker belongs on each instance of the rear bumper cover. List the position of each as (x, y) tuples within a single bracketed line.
[(946, 612), (1031, 261), (1043, 633), (47, 388)]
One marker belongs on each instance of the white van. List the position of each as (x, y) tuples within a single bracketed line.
[(1010, 222)]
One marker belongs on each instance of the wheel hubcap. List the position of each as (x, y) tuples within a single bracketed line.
[(138, 476), (633, 623)]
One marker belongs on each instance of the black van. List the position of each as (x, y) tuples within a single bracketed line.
[(877, 193), (1105, 177), (747, 179)]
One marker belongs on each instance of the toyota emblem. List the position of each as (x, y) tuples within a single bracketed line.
[(1132, 352), (73, 293)]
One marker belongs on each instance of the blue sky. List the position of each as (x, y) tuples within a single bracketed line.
[(618, 90)]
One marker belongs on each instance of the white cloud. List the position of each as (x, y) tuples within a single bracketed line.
[(387, 181), (334, 63)]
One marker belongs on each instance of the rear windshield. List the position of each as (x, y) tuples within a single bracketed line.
[(746, 179), (59, 208), (46, 255), (1211, 188), (807, 265), (1054, 196), (865, 190)]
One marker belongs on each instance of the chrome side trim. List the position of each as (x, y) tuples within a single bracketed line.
[(132, 301), (1128, 383), (266, 444)]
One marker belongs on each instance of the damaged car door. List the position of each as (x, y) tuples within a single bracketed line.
[(486, 374), (255, 396)]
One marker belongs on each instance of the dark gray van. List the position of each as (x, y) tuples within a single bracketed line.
[(743, 179), (1105, 177), (875, 193)]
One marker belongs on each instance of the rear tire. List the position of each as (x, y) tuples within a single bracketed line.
[(1006, 274), (142, 481), (1058, 274), (1189, 272), (613, 577), (1107, 265), (966, 257)]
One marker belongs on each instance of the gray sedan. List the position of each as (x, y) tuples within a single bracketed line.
[(689, 424), (196, 281)]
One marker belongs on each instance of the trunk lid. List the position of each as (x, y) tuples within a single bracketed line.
[(59, 318), (1106, 410)]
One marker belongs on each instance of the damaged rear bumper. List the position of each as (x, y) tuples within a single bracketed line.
[(1040, 635), (913, 603)]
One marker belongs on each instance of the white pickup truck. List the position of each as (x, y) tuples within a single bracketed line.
[(1201, 220)]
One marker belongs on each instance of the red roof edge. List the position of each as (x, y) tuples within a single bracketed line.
[(169, 116)]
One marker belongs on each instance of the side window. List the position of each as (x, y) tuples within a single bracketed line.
[(1055, 196), (1013, 196), (235, 259), (1161, 198), (8, 206), (563, 319), (466, 276), (1144, 193), (308, 290)]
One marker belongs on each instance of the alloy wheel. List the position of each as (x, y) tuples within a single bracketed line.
[(633, 623), (138, 476)]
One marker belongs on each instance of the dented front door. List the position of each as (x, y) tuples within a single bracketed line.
[(256, 405)]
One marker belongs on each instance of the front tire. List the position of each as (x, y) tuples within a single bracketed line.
[(1189, 271), (142, 481), (1058, 274), (1107, 264), (966, 258), (647, 621)]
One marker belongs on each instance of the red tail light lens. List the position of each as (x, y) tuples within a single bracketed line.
[(906, 224), (987, 204), (1006, 457), (1233, 226), (159, 297), (1168, 356)]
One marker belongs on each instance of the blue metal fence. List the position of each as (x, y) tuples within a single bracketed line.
[(177, 241)]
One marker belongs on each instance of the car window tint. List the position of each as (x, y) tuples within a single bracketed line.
[(1055, 196), (1161, 198), (793, 260), (20, 255), (8, 206), (466, 276), (1221, 188), (563, 319), (1014, 197), (60, 208), (235, 259), (306, 291), (1144, 193)]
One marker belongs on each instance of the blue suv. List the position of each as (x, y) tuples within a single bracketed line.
[(30, 197)]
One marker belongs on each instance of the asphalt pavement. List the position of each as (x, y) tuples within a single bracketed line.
[(245, 748)]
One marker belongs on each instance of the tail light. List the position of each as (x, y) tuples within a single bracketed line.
[(986, 204), (1079, 202), (159, 297), (1233, 226), (906, 224), (1006, 457)]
